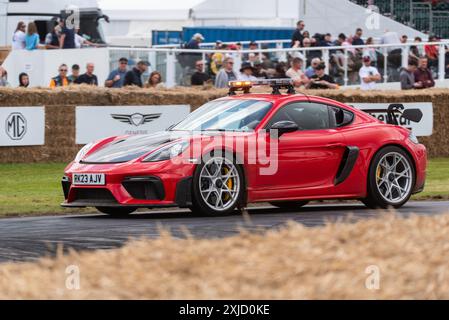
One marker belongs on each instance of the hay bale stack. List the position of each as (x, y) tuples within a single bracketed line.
[(60, 111)]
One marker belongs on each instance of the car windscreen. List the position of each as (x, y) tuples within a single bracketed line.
[(226, 115)]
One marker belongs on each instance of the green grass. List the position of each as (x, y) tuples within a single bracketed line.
[(33, 189), (437, 183)]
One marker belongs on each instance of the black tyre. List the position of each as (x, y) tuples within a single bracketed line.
[(391, 179), (289, 205), (218, 185), (116, 212)]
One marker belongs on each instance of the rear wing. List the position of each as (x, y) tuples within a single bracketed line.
[(395, 110)]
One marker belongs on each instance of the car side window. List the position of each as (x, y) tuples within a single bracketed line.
[(308, 116), (340, 117)]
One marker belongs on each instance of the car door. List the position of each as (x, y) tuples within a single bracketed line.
[(307, 159)]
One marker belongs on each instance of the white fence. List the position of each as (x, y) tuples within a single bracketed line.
[(42, 65), (389, 59)]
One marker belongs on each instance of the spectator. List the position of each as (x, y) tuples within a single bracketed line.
[(52, 38), (391, 37), (88, 77), (194, 43), (32, 37), (134, 76), (155, 80), (310, 71), (117, 77), (199, 77), (259, 71), (18, 39), (216, 61), (321, 80), (432, 53), (80, 41), (368, 75), (297, 35), (226, 74), (3, 77), (370, 52), (60, 80), (247, 72), (280, 71), (407, 75), (75, 73), (417, 50), (67, 39), (328, 40), (404, 39), (295, 73), (24, 80), (357, 39), (423, 76)]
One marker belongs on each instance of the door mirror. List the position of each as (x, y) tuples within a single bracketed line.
[(283, 127)]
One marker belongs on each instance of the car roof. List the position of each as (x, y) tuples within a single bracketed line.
[(276, 98)]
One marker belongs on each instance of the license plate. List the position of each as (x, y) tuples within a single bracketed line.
[(89, 179)]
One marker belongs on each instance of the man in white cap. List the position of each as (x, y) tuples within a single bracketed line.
[(368, 75), (195, 42)]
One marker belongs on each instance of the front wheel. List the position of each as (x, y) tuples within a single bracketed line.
[(116, 212), (218, 185), (391, 179)]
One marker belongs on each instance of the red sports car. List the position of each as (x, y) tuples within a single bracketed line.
[(286, 149)]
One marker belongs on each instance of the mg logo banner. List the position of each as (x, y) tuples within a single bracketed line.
[(23, 126), (16, 126)]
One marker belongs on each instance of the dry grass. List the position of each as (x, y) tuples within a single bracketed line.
[(292, 263)]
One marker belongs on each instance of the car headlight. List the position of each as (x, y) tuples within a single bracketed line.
[(168, 152), (83, 152), (413, 138)]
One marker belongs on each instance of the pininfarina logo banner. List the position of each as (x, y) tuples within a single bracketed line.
[(23, 126), (95, 122)]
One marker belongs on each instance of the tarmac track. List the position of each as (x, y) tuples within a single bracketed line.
[(24, 239)]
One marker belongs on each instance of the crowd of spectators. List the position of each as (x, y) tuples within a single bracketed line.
[(60, 37), (365, 66), (307, 68)]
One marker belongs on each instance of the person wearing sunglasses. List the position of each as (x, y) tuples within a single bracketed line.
[(117, 77), (226, 74), (199, 77), (61, 80)]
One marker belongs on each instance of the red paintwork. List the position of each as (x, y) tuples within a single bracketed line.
[(308, 160)]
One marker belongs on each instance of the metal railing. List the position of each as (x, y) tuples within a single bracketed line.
[(388, 58)]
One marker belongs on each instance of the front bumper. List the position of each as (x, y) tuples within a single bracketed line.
[(139, 185)]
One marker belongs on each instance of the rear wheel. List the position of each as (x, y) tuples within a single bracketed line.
[(116, 212), (218, 185), (289, 204), (391, 179)]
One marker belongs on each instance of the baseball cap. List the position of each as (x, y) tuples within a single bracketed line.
[(198, 36), (366, 58)]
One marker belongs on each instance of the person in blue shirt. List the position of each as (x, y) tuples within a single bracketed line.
[(116, 78), (357, 39), (194, 43), (32, 37)]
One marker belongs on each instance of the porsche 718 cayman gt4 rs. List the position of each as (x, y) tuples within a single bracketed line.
[(286, 149)]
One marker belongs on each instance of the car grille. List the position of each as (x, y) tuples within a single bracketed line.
[(89, 194)]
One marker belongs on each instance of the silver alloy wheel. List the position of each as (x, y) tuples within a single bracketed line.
[(219, 183), (394, 177)]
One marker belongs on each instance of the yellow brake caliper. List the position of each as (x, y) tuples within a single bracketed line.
[(378, 173), (229, 184)]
